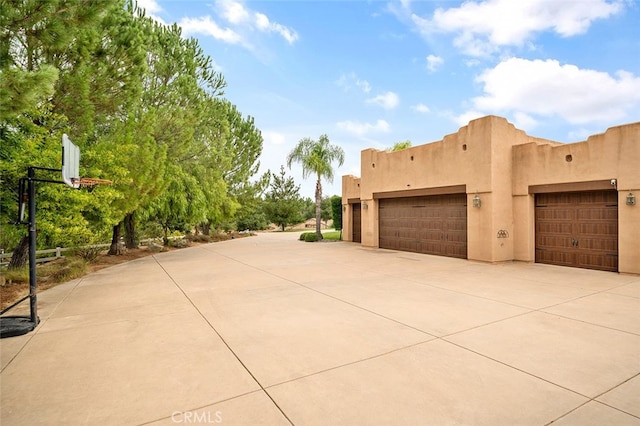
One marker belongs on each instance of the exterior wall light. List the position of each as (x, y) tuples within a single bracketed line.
[(631, 199), (476, 201)]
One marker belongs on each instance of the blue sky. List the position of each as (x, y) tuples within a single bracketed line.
[(372, 73)]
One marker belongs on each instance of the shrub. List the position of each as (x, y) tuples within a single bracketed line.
[(20, 275), (179, 243), (305, 236), (200, 238), (73, 268), (88, 253), (310, 237)]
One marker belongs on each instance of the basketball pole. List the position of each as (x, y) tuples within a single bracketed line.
[(19, 325), (33, 286)]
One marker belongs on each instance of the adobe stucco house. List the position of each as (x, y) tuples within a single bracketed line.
[(492, 193)]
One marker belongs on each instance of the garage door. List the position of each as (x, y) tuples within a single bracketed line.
[(434, 224), (578, 229), (357, 223)]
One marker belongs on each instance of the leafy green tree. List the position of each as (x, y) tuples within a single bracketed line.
[(98, 52), (251, 218), (21, 90), (251, 215), (325, 206), (33, 32), (136, 164), (316, 157), (336, 212), (308, 208), (143, 104), (399, 146), (282, 203), (65, 217), (244, 145), (180, 206), (188, 128)]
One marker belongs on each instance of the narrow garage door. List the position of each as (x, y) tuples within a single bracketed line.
[(357, 223), (434, 224), (578, 229)]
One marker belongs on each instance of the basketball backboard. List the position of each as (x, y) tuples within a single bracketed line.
[(70, 163)]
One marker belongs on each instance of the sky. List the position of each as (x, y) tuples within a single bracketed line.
[(372, 73)]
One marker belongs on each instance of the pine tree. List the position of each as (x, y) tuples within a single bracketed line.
[(283, 205)]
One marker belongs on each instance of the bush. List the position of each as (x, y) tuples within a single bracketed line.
[(200, 238), (88, 253), (179, 243), (69, 270), (305, 236), (151, 230), (310, 237)]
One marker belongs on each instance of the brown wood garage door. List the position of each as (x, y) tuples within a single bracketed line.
[(357, 222), (578, 229), (434, 224)]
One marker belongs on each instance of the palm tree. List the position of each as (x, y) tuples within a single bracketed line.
[(316, 158)]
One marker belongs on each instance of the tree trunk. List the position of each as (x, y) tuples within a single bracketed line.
[(20, 255), (206, 228), (130, 231), (318, 207), (165, 239), (116, 246)]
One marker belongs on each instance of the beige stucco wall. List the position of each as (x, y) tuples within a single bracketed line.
[(350, 191), (477, 156), (614, 154), (499, 163)]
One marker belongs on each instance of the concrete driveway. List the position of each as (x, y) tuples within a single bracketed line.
[(270, 330)]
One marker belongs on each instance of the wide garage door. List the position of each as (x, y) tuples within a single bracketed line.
[(435, 224), (578, 229), (357, 223)]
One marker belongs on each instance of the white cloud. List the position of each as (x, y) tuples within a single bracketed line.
[(234, 12), (347, 81), (263, 24), (360, 129), (273, 138), (152, 9), (237, 14), (388, 100), (464, 118), (242, 22), (421, 108), (547, 88), (434, 62), (205, 25), (524, 121), (151, 6), (481, 27), (364, 85)]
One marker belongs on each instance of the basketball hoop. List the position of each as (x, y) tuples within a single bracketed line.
[(19, 325), (71, 167), (86, 182)]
